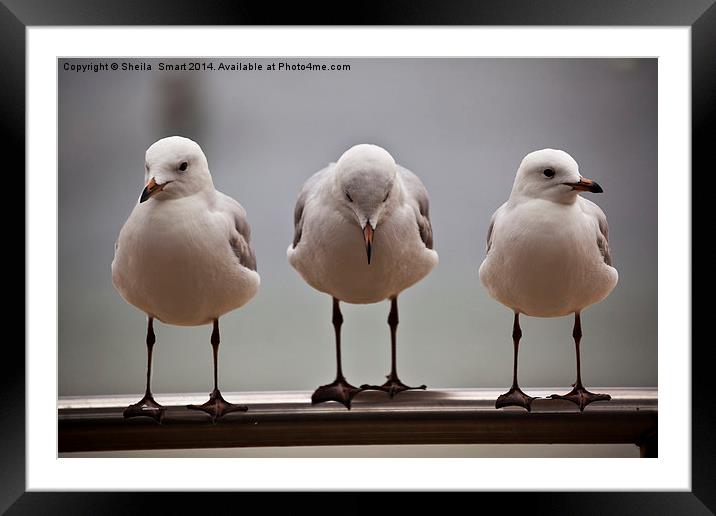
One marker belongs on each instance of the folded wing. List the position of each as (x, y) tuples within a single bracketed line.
[(417, 197), (602, 236), (240, 238)]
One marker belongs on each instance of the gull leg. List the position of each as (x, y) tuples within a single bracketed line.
[(339, 390), (579, 395), (147, 406), (393, 386), (515, 396), (217, 406)]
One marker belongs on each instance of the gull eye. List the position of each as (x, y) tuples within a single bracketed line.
[(183, 166), (386, 197), (548, 172), (348, 197)]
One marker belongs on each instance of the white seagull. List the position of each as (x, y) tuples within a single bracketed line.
[(548, 255), (184, 256), (362, 235)]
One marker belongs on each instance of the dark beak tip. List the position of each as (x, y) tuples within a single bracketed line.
[(596, 188)]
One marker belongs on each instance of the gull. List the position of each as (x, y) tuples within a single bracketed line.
[(184, 256), (548, 256), (362, 235)]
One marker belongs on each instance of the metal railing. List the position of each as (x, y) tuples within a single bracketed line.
[(451, 416)]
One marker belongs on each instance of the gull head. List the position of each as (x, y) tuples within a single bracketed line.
[(551, 175), (174, 167), (366, 187)]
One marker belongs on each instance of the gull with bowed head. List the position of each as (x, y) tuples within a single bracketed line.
[(362, 235)]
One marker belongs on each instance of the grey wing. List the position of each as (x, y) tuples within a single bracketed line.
[(418, 198), (491, 228), (596, 212), (306, 191), (240, 239)]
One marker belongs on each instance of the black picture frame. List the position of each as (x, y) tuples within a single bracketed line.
[(17, 15)]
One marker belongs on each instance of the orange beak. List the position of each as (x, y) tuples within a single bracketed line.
[(368, 236), (151, 189), (586, 185)]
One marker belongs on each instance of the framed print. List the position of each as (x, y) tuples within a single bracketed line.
[(470, 105)]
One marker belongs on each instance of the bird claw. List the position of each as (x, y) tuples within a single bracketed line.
[(581, 397), (217, 407), (339, 391), (145, 407), (393, 386), (515, 397)]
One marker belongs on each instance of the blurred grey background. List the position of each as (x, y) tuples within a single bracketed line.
[(462, 125)]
